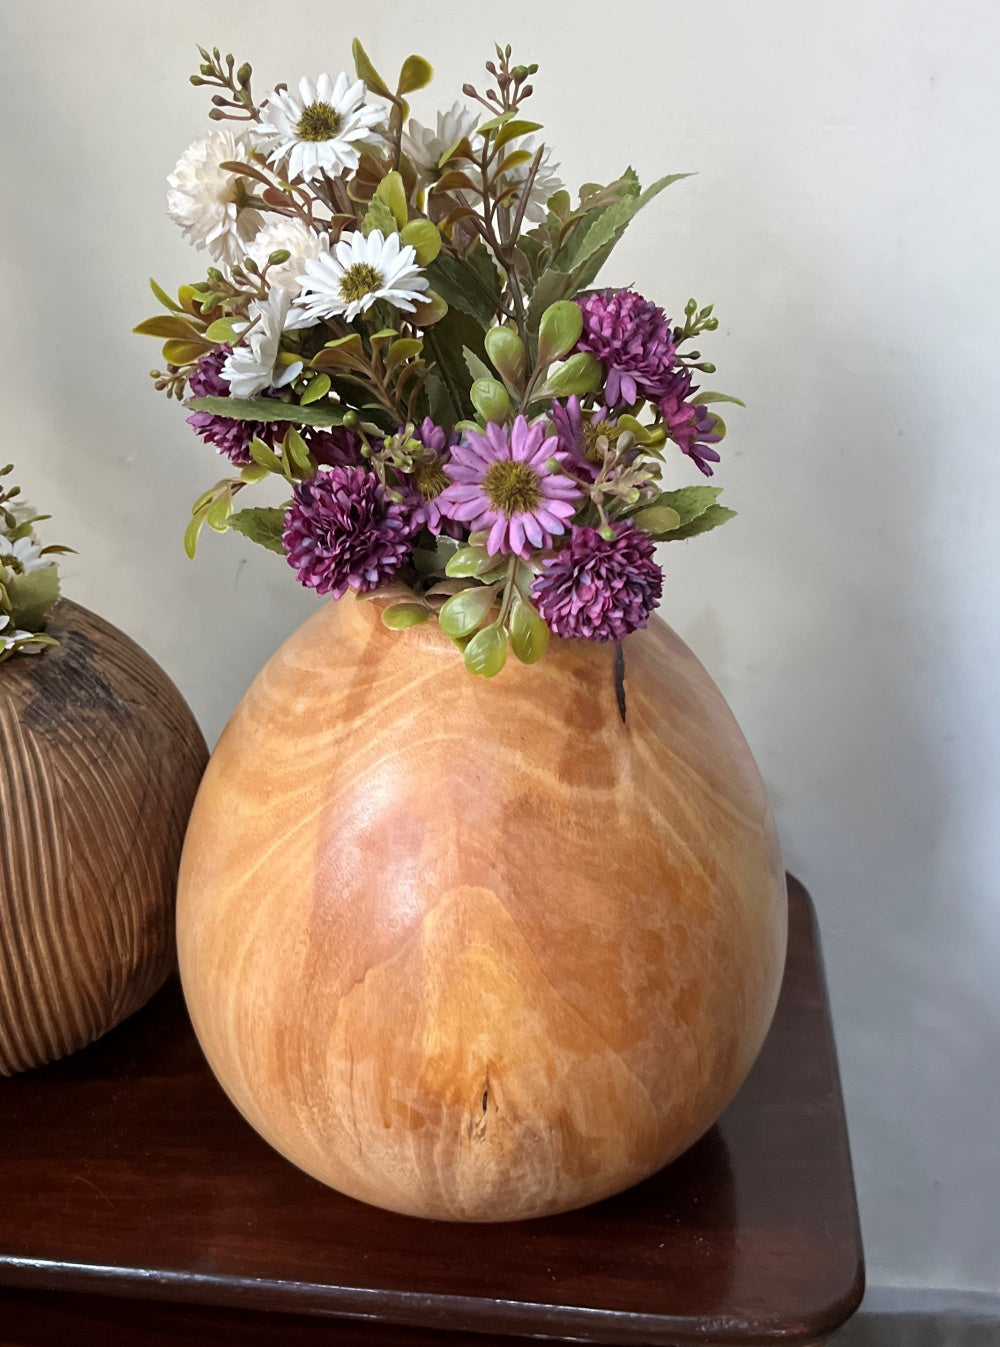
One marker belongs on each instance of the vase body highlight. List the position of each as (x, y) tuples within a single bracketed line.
[(480, 950), (100, 760)]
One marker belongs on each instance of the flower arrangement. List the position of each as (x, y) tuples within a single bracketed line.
[(29, 578), (401, 324)]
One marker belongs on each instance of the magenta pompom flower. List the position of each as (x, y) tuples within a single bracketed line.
[(502, 481), (342, 533), (631, 337), (599, 589), (230, 436), (691, 426)]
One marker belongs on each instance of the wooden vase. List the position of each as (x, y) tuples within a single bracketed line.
[(479, 950), (100, 761)]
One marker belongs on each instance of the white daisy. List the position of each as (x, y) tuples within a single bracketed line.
[(319, 131), (206, 200), (253, 365), (359, 271), (545, 185), (424, 147), (296, 238), (22, 555)]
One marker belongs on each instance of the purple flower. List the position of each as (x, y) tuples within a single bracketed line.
[(691, 426), (230, 436), (578, 434), (631, 338), (334, 448), (598, 589), (501, 481), (423, 487), (341, 533)]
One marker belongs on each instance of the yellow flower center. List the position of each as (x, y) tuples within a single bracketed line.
[(430, 479), (593, 433), (319, 121), (359, 280), (512, 487)]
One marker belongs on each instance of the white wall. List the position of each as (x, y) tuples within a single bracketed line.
[(844, 221)]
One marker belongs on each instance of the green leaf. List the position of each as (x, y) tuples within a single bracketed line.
[(690, 501), (706, 399), (368, 73), (223, 330), (404, 348), (185, 352), (478, 368), (263, 455), (168, 325), (558, 331), (399, 616), (553, 285), (295, 448), (379, 216), (424, 238), (393, 193), (514, 128), (495, 122), (31, 595), (471, 561), (464, 612), (269, 409), (506, 349), (192, 533), (163, 297), (529, 634), (477, 294), (604, 231), (316, 389), (708, 519), (415, 74), (491, 400), (657, 519), (580, 374), (430, 311), (486, 653), (264, 526)]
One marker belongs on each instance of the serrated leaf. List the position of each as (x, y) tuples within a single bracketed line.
[(607, 227), (31, 594), (486, 653), (708, 519), (690, 501), (424, 238), (378, 216), (478, 368), (450, 279), (368, 73), (553, 285), (400, 616), (415, 74), (529, 634), (466, 611), (261, 525), (269, 409)]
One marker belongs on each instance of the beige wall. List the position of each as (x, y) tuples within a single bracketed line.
[(844, 222)]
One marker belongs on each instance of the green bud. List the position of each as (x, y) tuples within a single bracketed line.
[(350, 420), (607, 533), (520, 72), (711, 324), (690, 307), (706, 367), (553, 465), (278, 256), (252, 266), (196, 79), (214, 274), (243, 74), (215, 114), (206, 69)]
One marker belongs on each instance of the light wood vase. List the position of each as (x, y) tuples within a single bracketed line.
[(100, 761), (476, 950)]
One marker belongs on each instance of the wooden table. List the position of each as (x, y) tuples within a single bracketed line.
[(137, 1208)]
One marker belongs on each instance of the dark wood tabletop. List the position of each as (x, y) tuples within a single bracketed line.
[(137, 1207)]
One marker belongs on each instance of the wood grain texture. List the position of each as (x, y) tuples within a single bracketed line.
[(100, 760), (127, 1175), (480, 951)]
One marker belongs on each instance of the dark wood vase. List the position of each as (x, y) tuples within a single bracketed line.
[(480, 951), (100, 759)]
